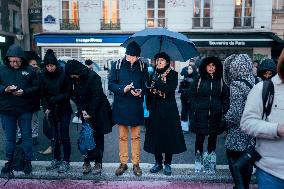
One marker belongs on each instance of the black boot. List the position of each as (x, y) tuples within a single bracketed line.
[(28, 167)]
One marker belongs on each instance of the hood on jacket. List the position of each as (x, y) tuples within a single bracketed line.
[(266, 65), (15, 51), (217, 62), (74, 67), (238, 66)]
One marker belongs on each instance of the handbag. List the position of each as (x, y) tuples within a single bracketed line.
[(86, 143)]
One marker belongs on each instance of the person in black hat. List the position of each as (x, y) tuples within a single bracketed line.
[(164, 134), (127, 82), (266, 69), (93, 107), (55, 92)]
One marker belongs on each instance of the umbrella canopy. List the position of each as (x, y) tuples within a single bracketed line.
[(155, 40)]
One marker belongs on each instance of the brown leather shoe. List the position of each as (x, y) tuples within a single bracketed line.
[(137, 170), (121, 169)]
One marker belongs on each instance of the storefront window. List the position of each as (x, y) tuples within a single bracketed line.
[(202, 14), (70, 15), (156, 13), (110, 15), (243, 14)]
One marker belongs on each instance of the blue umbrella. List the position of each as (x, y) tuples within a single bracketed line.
[(155, 40)]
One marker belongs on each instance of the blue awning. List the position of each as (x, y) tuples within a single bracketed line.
[(81, 38)]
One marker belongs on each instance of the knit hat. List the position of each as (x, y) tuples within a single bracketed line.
[(266, 65), (88, 62), (50, 58), (163, 55), (74, 67), (133, 49)]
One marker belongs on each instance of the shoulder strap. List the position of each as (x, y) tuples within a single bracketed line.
[(246, 82), (267, 97)]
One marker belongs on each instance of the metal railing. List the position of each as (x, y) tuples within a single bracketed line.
[(199, 22), (69, 24), (109, 25), (244, 22)]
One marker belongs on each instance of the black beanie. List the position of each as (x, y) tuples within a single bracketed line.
[(133, 49), (74, 67), (162, 55), (88, 62), (50, 58)]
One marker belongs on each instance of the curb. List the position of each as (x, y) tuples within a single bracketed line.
[(181, 172)]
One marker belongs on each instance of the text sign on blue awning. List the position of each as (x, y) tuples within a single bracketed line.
[(81, 38)]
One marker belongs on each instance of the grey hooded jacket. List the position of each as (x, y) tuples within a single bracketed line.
[(237, 67)]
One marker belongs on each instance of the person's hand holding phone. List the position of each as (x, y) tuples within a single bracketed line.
[(10, 88), (128, 87), (136, 92)]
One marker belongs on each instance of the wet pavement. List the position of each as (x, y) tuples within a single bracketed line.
[(87, 184)]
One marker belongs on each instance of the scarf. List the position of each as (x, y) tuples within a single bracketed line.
[(162, 74)]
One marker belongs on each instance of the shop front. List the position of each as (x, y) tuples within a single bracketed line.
[(222, 44), (100, 48)]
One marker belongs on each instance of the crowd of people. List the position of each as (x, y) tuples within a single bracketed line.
[(216, 97)]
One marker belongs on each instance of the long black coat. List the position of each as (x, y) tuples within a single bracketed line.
[(127, 109), (209, 100), (88, 95), (164, 133)]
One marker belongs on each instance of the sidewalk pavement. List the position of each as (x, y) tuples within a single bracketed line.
[(181, 172)]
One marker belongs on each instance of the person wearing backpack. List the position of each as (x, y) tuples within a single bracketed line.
[(209, 98), (238, 75), (55, 94), (269, 132), (266, 69), (127, 82), (18, 85), (93, 107)]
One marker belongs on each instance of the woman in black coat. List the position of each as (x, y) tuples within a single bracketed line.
[(164, 134), (209, 99), (92, 104), (55, 93)]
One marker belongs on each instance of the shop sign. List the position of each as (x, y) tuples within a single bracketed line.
[(2, 39), (35, 15), (89, 40), (49, 19), (227, 43)]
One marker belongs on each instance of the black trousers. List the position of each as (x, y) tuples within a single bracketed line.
[(212, 141), (168, 158), (184, 110), (246, 172), (99, 140)]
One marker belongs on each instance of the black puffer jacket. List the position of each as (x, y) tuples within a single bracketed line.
[(24, 78), (56, 91), (209, 100)]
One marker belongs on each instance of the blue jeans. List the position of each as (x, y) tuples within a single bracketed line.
[(266, 180), (10, 123)]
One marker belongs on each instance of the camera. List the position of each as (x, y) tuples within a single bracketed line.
[(247, 159)]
